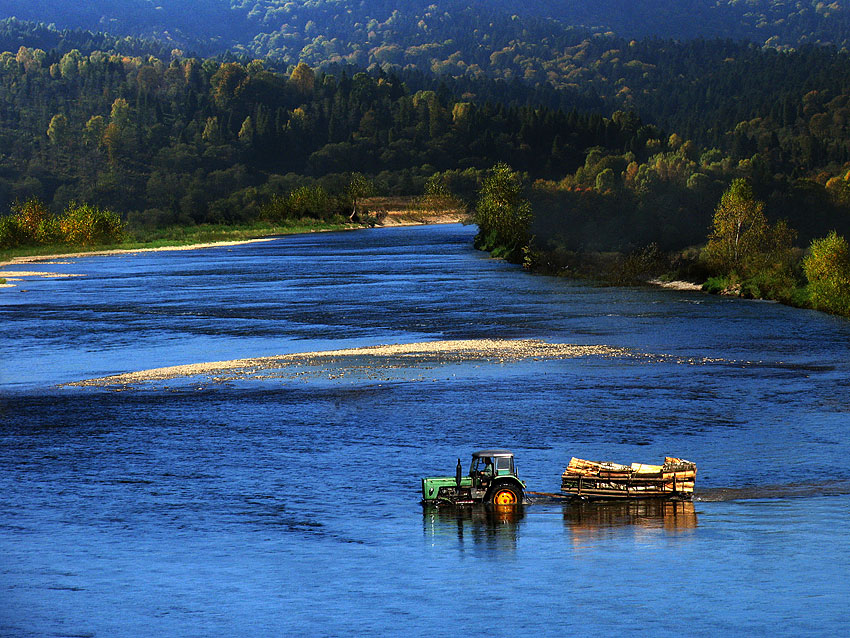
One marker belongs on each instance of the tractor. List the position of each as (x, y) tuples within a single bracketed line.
[(492, 479)]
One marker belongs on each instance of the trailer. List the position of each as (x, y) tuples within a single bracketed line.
[(673, 480)]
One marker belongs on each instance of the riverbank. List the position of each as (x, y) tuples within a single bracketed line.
[(680, 270), (172, 238), (31, 259), (9, 278), (209, 236)]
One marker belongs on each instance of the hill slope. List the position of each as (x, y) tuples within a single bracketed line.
[(292, 29)]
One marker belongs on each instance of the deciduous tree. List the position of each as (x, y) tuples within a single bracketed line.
[(827, 268), (359, 187), (739, 229), (303, 78), (503, 214), (57, 130)]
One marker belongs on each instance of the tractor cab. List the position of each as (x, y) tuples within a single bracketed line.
[(489, 464)]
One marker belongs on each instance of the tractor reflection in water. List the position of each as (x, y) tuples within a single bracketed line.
[(487, 527), (492, 480)]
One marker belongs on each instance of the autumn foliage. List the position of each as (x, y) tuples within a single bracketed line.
[(827, 269), (32, 224), (741, 240)]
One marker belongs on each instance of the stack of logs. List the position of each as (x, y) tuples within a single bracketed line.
[(638, 480)]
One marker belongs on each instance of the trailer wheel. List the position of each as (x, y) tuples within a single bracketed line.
[(505, 495)]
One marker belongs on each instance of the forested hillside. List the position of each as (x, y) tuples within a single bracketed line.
[(228, 112), (772, 22), (698, 88), (166, 138), (294, 28), (197, 140), (38, 35), (208, 26)]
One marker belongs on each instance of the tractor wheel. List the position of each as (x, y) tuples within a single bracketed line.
[(505, 495)]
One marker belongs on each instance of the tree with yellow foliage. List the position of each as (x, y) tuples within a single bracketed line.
[(749, 251), (303, 78), (827, 267), (741, 235)]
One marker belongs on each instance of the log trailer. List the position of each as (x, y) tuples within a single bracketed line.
[(492, 480)]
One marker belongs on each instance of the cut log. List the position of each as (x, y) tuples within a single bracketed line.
[(675, 478)]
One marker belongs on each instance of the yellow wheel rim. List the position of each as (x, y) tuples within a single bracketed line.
[(505, 497)]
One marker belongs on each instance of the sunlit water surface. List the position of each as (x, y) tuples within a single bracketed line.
[(290, 506)]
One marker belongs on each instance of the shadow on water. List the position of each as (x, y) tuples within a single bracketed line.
[(493, 527)]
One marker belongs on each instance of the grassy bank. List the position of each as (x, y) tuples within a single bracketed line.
[(177, 236), (210, 233), (31, 242)]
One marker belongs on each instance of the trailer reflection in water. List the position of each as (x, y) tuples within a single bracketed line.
[(490, 526), (588, 521)]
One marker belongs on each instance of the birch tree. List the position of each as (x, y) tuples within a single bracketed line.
[(742, 242)]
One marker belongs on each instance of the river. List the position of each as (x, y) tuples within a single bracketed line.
[(289, 505)]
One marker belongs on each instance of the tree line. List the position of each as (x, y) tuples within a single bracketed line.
[(193, 140), (186, 140)]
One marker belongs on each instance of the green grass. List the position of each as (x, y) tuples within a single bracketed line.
[(717, 285), (185, 236)]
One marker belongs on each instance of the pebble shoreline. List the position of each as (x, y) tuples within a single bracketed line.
[(385, 356)]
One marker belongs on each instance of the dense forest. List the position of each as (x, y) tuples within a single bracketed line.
[(192, 140), (166, 138), (296, 29), (698, 88)]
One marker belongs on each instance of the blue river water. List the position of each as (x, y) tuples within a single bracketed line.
[(290, 506)]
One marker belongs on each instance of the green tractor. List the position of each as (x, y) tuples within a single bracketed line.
[(492, 479)]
